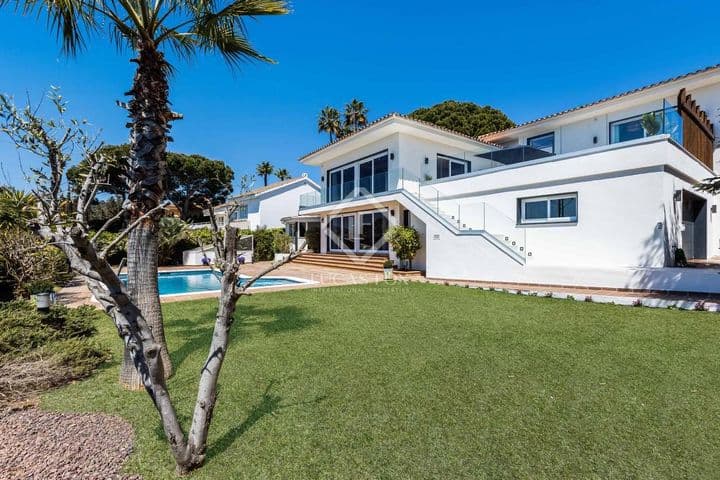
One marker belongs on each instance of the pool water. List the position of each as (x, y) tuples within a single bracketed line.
[(173, 283)]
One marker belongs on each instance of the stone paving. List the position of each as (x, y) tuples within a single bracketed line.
[(78, 294)]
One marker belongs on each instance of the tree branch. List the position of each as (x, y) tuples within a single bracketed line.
[(132, 227), (107, 224), (272, 267)]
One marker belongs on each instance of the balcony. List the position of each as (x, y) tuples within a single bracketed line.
[(359, 187), (666, 121)]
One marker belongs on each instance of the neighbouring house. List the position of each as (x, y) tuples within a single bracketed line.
[(599, 195), (267, 206)]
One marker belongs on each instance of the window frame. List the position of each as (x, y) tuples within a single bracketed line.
[(356, 191), (548, 134), (467, 165), (521, 202), (240, 213)]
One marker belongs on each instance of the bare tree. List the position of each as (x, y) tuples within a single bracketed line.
[(63, 224)]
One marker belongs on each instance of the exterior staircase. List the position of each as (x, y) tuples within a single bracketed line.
[(362, 263)]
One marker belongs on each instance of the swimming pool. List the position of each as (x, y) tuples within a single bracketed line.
[(201, 281)]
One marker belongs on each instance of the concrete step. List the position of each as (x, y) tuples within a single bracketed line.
[(345, 266), (342, 258)]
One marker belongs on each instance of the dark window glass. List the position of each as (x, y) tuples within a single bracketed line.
[(303, 227), (626, 130), (366, 231), (380, 228), (335, 231), (366, 178), (380, 178), (536, 210), (349, 182), (563, 207), (457, 168), (348, 234), (443, 167), (406, 218), (335, 186), (545, 142)]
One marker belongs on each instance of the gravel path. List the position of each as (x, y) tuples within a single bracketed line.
[(45, 445)]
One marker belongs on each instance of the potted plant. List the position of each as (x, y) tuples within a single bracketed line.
[(41, 289), (388, 269), (405, 241), (281, 245), (651, 124)]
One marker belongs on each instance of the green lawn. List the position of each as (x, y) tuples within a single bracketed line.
[(430, 381)]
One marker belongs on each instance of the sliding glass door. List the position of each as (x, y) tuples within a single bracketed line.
[(359, 232)]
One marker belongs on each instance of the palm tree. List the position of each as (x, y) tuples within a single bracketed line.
[(282, 174), (329, 121), (172, 232), (264, 169), (355, 115), (148, 27)]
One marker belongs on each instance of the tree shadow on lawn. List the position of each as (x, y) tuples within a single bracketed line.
[(249, 319), (269, 404)]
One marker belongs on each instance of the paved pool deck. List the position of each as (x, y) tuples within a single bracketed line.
[(78, 294)]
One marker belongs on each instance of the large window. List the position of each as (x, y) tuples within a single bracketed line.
[(628, 129), (241, 213), (550, 209), (451, 166), (545, 142), (665, 121), (367, 176)]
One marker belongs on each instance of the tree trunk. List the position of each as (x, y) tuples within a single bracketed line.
[(150, 122)]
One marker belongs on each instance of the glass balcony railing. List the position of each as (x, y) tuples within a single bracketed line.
[(666, 121), (362, 186), (310, 199)]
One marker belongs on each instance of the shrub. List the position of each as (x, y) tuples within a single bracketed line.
[(200, 236), (264, 249), (40, 286), (405, 241), (23, 260), (80, 356), (281, 242), (73, 322), (23, 328), (118, 252)]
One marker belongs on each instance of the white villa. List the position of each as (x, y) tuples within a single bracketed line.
[(268, 205), (600, 195)]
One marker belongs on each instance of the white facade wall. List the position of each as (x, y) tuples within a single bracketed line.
[(267, 209), (273, 206), (593, 129), (623, 197)]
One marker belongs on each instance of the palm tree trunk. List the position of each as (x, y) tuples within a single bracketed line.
[(150, 122)]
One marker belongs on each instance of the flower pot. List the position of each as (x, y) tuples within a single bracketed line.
[(42, 300), (388, 273)]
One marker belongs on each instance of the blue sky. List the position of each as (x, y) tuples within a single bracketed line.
[(526, 58)]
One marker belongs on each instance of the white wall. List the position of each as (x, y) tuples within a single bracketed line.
[(414, 150), (575, 135), (623, 194), (277, 204), (267, 210)]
